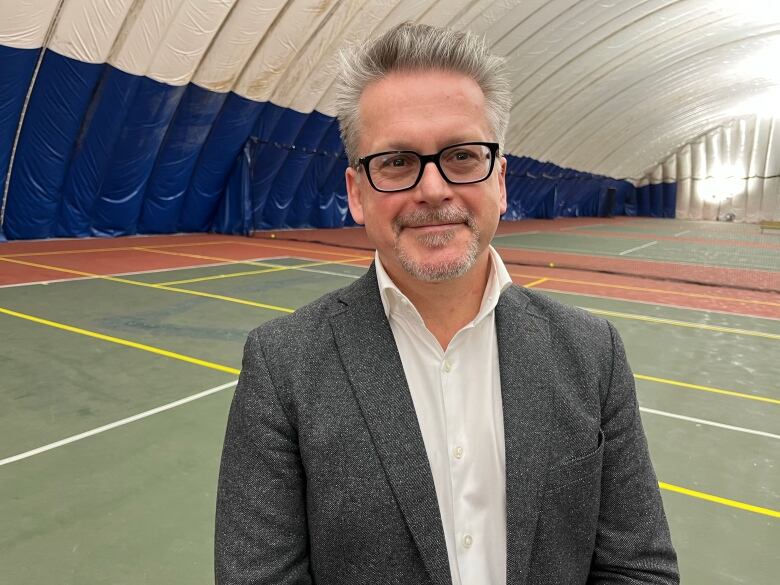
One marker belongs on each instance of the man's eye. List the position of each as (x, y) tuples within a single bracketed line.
[(397, 162), (461, 156)]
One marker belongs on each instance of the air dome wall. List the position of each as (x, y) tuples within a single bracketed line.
[(129, 117)]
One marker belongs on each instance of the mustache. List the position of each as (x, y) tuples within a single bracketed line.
[(438, 215)]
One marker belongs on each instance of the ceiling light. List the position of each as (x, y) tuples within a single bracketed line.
[(750, 10), (725, 182), (766, 103)]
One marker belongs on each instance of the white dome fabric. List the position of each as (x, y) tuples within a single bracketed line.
[(135, 116), (729, 171)]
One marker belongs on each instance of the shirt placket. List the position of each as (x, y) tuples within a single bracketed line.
[(460, 454)]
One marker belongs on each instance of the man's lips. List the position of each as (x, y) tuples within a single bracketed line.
[(434, 226)]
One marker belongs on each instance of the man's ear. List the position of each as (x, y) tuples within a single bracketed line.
[(502, 183), (354, 195)]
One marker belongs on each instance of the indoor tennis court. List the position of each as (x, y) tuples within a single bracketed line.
[(172, 175), (122, 356)]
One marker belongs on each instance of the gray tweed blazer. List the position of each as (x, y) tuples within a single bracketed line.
[(324, 476)]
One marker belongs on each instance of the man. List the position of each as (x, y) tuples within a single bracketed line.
[(432, 422)]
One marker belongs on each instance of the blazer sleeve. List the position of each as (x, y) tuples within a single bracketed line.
[(633, 544), (261, 530)]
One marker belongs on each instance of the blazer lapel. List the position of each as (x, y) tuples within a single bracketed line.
[(368, 351), (527, 391)]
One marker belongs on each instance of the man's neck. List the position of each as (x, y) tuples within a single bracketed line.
[(446, 306)]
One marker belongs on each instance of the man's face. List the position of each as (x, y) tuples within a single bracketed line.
[(435, 231)]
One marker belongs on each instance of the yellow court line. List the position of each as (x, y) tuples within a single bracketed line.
[(287, 310), (153, 286), (706, 388), (314, 250), (114, 249), (718, 500), (268, 267), (535, 282), (220, 276), (235, 371), (224, 298), (276, 268), (688, 324), (120, 341), (348, 257), (652, 290)]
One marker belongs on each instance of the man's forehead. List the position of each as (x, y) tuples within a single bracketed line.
[(417, 80), (446, 140), (393, 109)]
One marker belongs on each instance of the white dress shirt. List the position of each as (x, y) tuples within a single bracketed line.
[(457, 397)]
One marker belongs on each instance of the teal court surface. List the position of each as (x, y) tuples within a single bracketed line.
[(119, 359)]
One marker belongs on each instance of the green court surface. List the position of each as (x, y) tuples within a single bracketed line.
[(645, 248), (680, 228), (676, 230), (134, 504)]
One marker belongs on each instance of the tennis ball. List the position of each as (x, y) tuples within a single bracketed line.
[(552, 264), (273, 236)]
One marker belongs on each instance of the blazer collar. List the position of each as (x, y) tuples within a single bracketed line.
[(370, 357), (368, 351), (527, 390)]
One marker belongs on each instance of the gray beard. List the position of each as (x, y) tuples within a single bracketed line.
[(441, 271)]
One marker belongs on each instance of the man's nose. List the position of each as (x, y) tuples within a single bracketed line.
[(433, 188)]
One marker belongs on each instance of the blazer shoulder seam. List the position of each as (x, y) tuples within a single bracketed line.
[(612, 351)]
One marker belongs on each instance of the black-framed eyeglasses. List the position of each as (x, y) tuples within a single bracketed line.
[(459, 164)]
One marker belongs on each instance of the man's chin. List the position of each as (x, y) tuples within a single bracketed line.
[(435, 238), (431, 266)]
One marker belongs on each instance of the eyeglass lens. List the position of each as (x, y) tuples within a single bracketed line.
[(465, 163)]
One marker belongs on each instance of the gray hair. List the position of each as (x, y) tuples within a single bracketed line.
[(419, 47)]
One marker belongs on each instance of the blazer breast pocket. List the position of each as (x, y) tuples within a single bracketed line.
[(568, 518), (578, 469)]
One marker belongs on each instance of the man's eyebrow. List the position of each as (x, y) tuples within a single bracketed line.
[(394, 146)]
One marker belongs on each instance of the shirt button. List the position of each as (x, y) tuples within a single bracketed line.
[(468, 541), (458, 452), (446, 366)]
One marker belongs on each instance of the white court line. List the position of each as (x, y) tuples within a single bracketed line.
[(579, 294), (709, 423), (653, 304), (517, 234), (321, 271), (221, 387), (581, 227), (115, 424), (188, 267), (682, 233), (647, 245), (328, 272)]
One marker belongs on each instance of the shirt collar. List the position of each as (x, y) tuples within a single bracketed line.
[(393, 300)]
